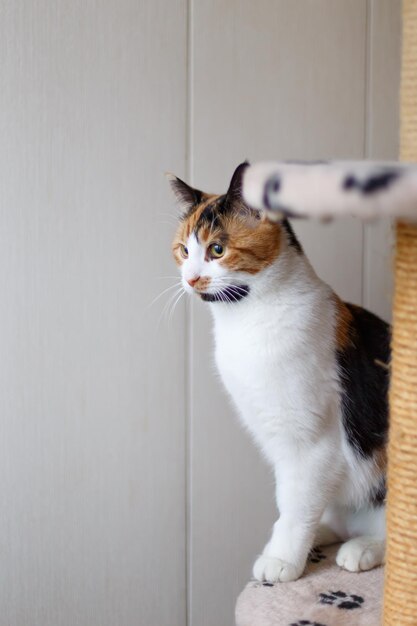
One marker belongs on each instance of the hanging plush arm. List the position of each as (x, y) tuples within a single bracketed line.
[(364, 189)]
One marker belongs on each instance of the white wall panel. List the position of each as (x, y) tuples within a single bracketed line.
[(383, 85), (92, 110)]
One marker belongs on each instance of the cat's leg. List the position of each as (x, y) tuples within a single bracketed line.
[(366, 550), (304, 486)]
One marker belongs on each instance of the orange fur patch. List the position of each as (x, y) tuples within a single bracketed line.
[(343, 324), (251, 244), (381, 459), (202, 284)]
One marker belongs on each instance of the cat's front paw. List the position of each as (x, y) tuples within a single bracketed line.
[(361, 553), (273, 570)]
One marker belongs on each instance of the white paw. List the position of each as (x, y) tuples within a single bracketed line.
[(274, 570), (361, 553)]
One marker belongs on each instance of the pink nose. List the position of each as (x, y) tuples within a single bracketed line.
[(192, 281)]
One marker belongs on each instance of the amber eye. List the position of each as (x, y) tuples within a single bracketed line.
[(184, 251), (216, 250)]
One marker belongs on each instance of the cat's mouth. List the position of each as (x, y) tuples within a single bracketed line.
[(230, 294)]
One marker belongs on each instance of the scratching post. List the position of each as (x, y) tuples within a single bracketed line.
[(400, 594)]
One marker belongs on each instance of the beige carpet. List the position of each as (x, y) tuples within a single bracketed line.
[(325, 596)]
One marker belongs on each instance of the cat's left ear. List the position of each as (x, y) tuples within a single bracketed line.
[(186, 196), (234, 193)]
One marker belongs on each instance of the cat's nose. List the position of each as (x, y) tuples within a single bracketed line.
[(192, 281)]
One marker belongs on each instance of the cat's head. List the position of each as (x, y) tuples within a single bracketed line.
[(221, 244)]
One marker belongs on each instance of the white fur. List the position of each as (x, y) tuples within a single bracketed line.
[(275, 351), (361, 553)]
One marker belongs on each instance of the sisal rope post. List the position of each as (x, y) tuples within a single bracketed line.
[(400, 594)]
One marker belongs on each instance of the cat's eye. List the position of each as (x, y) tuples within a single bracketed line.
[(216, 250), (184, 251)]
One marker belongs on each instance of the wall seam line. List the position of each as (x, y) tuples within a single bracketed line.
[(367, 141), (189, 327)]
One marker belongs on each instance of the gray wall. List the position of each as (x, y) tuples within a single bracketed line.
[(127, 497)]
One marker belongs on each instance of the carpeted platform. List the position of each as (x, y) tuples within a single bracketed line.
[(325, 596)]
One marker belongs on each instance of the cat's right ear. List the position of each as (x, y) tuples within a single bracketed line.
[(186, 196)]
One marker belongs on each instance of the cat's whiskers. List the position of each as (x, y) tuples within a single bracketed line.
[(177, 284), (234, 293), (218, 285), (228, 301), (225, 286), (228, 290), (171, 313), (172, 297), (231, 294)]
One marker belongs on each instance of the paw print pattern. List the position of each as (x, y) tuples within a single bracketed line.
[(341, 599), (316, 555), (262, 584), (306, 622)]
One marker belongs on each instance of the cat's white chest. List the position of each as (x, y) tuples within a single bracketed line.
[(272, 365), (244, 360), (252, 362)]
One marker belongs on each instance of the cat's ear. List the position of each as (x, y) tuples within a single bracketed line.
[(234, 193), (186, 196)]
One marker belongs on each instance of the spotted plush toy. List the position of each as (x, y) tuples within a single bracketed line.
[(321, 190)]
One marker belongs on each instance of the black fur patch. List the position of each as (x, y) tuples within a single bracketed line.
[(379, 495), (234, 193), (291, 237), (231, 294), (225, 204), (374, 183), (212, 214), (188, 197), (365, 381)]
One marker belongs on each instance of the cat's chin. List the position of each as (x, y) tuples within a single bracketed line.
[(231, 294)]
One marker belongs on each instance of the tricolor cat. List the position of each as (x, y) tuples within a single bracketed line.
[(307, 372)]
